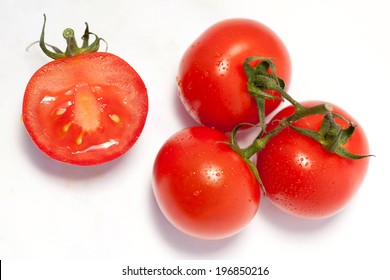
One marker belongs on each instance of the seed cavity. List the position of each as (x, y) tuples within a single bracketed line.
[(85, 111)]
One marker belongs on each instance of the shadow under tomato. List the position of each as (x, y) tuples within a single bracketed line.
[(289, 223), (180, 110), (60, 169), (192, 246)]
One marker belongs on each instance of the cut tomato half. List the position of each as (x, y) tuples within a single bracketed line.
[(85, 109)]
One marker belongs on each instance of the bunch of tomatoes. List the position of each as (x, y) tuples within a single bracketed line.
[(88, 107), (309, 159)]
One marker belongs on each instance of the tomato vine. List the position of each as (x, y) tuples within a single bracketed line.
[(262, 78)]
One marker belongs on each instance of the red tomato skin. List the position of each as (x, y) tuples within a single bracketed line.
[(125, 91), (204, 188), (211, 81), (305, 180)]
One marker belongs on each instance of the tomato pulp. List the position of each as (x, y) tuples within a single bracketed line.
[(211, 80), (85, 109)]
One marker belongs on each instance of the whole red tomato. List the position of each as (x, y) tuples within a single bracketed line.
[(212, 83), (303, 178), (203, 187)]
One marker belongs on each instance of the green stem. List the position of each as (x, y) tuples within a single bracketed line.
[(300, 112), (72, 48), (71, 45)]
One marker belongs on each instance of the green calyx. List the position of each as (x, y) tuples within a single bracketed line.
[(72, 49), (331, 136)]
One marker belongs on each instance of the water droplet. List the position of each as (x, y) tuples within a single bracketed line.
[(197, 193)]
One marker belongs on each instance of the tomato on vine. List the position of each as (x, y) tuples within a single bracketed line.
[(85, 107), (311, 158), (212, 83), (206, 184), (310, 168)]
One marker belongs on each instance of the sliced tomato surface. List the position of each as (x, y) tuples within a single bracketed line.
[(85, 110)]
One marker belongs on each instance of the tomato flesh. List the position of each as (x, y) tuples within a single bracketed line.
[(85, 110), (211, 81), (202, 186), (304, 179)]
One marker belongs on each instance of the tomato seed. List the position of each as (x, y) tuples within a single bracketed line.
[(79, 139), (115, 118), (65, 128)]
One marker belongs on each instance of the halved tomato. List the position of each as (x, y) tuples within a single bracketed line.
[(85, 109)]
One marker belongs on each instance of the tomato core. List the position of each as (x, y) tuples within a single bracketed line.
[(87, 109)]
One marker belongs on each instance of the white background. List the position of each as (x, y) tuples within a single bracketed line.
[(51, 211)]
